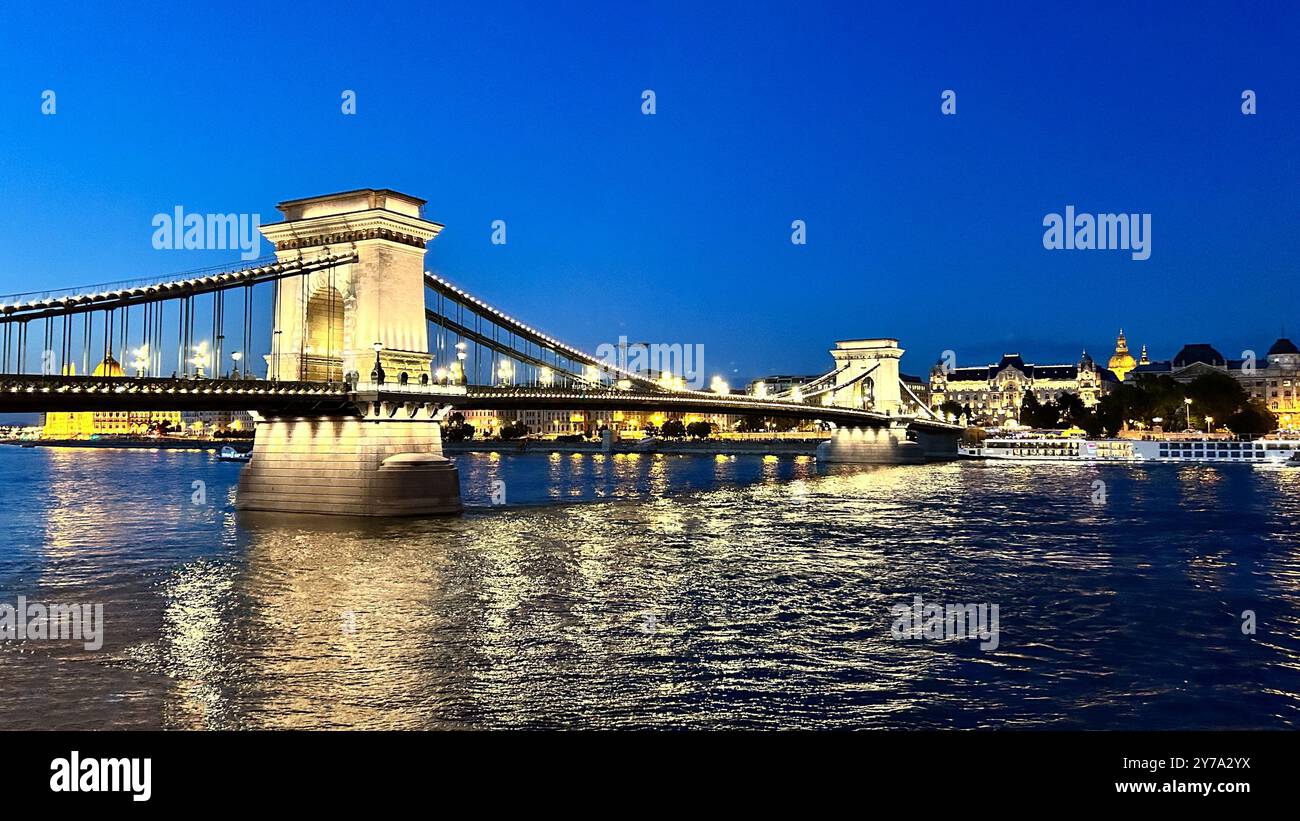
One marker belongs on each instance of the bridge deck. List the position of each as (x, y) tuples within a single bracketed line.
[(27, 393)]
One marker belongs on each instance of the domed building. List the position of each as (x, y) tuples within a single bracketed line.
[(1122, 361), (85, 424)]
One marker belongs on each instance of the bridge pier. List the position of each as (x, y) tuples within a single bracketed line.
[(938, 446), (871, 446), (376, 465)]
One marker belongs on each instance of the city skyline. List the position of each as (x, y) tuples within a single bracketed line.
[(905, 208)]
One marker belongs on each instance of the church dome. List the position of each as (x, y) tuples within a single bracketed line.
[(1122, 362), (108, 367)]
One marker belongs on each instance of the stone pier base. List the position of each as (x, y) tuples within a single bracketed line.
[(349, 466), (938, 447), (871, 446)]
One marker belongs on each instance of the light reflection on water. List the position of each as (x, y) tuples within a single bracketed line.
[(767, 582)]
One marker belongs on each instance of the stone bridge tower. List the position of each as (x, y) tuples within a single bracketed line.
[(869, 379), (328, 323)]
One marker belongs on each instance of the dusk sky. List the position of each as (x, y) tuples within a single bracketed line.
[(676, 227)]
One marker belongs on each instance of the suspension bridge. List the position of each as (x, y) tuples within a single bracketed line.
[(368, 353)]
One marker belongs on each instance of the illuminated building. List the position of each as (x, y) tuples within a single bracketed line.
[(99, 423), (996, 392), (211, 421)]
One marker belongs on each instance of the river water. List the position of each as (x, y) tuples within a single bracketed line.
[(643, 591)]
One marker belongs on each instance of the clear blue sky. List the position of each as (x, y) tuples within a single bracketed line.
[(676, 227)]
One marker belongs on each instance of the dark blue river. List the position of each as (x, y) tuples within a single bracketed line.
[(658, 591)]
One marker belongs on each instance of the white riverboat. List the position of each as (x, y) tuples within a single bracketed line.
[(1052, 449), (1269, 452)]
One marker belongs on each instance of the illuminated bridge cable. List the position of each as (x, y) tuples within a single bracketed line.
[(481, 310)]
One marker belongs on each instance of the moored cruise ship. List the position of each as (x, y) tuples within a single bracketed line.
[(1078, 449)]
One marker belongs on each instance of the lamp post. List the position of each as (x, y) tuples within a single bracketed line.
[(1187, 403), (1209, 425), (458, 367), (377, 375)]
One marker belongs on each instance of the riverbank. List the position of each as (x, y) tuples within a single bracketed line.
[(145, 444)]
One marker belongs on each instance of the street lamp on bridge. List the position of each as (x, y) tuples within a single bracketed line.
[(377, 375)]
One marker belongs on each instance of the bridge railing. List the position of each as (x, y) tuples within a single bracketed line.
[(413, 389)]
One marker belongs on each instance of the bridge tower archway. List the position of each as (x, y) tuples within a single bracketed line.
[(327, 335)]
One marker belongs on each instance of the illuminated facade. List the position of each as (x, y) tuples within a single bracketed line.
[(211, 421), (996, 392), (105, 423)]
